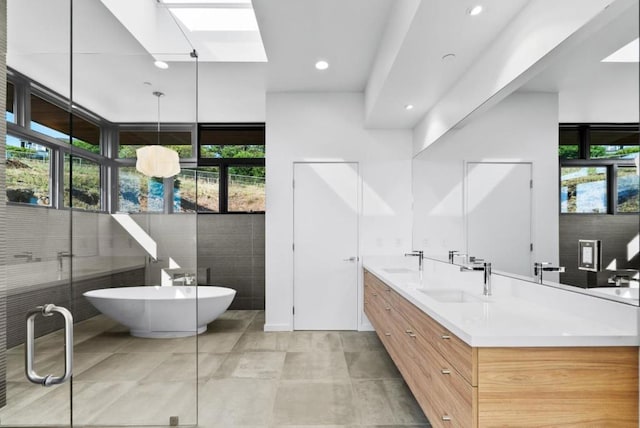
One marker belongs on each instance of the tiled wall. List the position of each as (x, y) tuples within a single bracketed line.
[(232, 247), (617, 233), (3, 207)]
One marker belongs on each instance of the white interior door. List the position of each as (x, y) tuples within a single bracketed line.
[(325, 213), (498, 214)]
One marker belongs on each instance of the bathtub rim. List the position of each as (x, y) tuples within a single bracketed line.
[(112, 293)]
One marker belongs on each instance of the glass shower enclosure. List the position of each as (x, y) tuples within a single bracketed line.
[(78, 216)]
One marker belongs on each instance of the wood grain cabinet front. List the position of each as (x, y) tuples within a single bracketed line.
[(458, 385)]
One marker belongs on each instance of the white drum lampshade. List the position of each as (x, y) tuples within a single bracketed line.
[(157, 161)]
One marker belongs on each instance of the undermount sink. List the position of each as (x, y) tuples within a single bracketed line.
[(452, 296), (398, 270)]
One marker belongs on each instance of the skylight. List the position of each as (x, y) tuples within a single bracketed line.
[(216, 19), (211, 2), (627, 53)]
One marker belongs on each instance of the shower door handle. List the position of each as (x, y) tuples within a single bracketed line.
[(29, 357)]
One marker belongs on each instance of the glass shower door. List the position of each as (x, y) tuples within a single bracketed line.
[(136, 349), (35, 251)]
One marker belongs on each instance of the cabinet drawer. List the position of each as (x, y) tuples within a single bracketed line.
[(376, 286), (461, 356), (452, 397)]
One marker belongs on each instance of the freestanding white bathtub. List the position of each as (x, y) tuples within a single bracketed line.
[(160, 312)]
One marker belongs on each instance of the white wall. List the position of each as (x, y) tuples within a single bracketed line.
[(521, 128), (329, 127)]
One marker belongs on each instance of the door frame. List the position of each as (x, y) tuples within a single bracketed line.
[(359, 297), (465, 204)]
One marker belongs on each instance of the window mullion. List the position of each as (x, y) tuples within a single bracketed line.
[(585, 142), (224, 189), (612, 188)]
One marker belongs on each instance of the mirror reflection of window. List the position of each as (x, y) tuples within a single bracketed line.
[(583, 190)]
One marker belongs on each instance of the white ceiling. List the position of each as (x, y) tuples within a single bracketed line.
[(297, 33), (418, 75), (594, 91), (110, 65)]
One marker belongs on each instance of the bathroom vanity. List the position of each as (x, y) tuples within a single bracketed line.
[(478, 361)]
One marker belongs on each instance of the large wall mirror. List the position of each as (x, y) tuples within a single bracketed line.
[(553, 163)]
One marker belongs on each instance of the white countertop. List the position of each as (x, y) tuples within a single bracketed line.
[(518, 313)]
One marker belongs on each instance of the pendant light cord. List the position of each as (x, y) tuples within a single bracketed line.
[(158, 94)]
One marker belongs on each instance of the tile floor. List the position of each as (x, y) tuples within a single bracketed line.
[(245, 378)]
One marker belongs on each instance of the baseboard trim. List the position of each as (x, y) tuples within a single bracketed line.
[(366, 327), (277, 327)]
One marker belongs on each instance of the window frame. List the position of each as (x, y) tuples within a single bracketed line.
[(153, 128), (107, 156), (585, 160), (21, 128), (224, 163)]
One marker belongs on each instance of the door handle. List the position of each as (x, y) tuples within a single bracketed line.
[(350, 259), (29, 357)]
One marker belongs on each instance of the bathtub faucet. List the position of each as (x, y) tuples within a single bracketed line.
[(183, 279)]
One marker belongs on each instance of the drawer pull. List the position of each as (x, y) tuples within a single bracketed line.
[(388, 290), (375, 294), (445, 371), (408, 331), (388, 308), (412, 335), (445, 337), (387, 334), (446, 418)]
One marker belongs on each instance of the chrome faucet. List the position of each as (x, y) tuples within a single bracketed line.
[(419, 254), (618, 279), (539, 267), (622, 276), (486, 268), (61, 255), (26, 255), (453, 254)]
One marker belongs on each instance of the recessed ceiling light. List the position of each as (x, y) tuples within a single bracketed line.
[(408, 107), (627, 53), (161, 65), (322, 65), (475, 10), (448, 57)]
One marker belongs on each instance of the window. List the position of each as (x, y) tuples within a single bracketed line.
[(569, 144), (28, 172), (598, 173), (197, 190), (85, 176), (628, 188), (583, 190), (246, 188), (53, 121), (238, 153), (613, 144), (139, 193), (130, 140), (231, 141)]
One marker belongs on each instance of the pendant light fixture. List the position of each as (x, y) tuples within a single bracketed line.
[(156, 160)]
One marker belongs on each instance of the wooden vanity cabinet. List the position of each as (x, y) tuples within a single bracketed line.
[(462, 386)]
